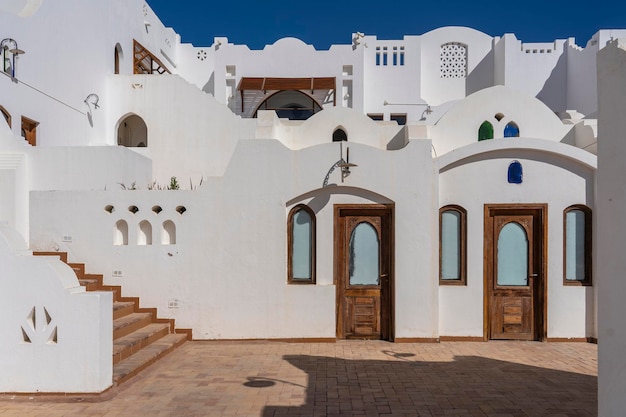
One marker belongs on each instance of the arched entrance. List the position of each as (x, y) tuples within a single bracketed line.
[(132, 132), (292, 105)]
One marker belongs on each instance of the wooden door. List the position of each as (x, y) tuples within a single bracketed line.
[(514, 272), (363, 272)]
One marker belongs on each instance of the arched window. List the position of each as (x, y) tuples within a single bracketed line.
[(118, 56), (168, 234), (291, 104), (515, 173), (452, 245), (339, 135), (577, 245), (301, 245), (512, 255), (485, 131), (120, 233), (6, 115), (132, 132), (511, 130), (144, 235)]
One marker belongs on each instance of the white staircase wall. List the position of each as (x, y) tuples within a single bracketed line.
[(56, 337)]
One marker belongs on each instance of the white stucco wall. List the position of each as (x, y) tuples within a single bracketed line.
[(55, 336), (476, 175)]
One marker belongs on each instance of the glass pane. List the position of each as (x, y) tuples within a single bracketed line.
[(575, 245), (511, 130), (451, 245), (364, 255), (485, 131), (512, 255), (301, 245)]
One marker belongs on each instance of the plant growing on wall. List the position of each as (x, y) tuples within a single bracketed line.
[(173, 184)]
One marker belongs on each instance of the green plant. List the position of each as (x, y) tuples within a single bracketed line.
[(173, 184)]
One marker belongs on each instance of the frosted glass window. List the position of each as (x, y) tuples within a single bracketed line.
[(575, 251), (301, 245), (512, 255), (364, 255), (451, 245)]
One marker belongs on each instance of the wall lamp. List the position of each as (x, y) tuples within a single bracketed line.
[(10, 45), (343, 164), (427, 111), (93, 100)]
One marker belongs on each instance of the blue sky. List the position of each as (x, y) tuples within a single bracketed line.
[(325, 22)]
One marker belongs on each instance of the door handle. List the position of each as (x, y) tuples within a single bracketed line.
[(533, 275)]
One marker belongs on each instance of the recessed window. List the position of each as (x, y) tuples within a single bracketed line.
[(375, 116), (485, 131), (132, 132), (577, 245), (181, 209), (301, 245), (515, 173), (453, 60), (133, 209), (452, 246), (499, 116), (109, 209), (398, 118), (157, 209), (511, 130)]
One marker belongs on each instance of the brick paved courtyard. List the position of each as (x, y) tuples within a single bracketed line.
[(347, 378)]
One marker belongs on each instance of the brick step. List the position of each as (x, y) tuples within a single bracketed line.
[(131, 366), (133, 342), (129, 323), (89, 284), (122, 308)]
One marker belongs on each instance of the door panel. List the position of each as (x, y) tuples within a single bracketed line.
[(514, 261), (362, 271)]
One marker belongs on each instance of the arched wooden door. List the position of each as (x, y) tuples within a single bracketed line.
[(514, 272), (363, 272)]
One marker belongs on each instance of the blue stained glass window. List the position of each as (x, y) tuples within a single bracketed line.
[(511, 130), (515, 173)]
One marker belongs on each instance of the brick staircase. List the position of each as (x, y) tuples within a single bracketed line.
[(139, 337)]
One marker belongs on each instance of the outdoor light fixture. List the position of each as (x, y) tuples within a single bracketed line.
[(93, 100), (10, 45), (343, 164), (427, 111)]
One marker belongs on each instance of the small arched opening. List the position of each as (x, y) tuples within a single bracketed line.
[(132, 132), (340, 135), (485, 131), (511, 130), (118, 57)]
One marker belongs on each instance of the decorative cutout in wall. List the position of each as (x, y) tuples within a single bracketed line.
[(201, 55), (453, 60), (39, 327)]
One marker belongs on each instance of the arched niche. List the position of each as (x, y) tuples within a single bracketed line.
[(120, 233), (144, 235), (168, 233), (132, 132)]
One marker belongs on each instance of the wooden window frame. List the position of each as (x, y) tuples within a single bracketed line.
[(6, 115), (588, 247), (290, 278), (462, 280)]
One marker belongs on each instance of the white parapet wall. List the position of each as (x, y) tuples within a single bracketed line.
[(56, 338)]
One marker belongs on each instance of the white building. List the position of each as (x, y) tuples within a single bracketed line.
[(437, 187)]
